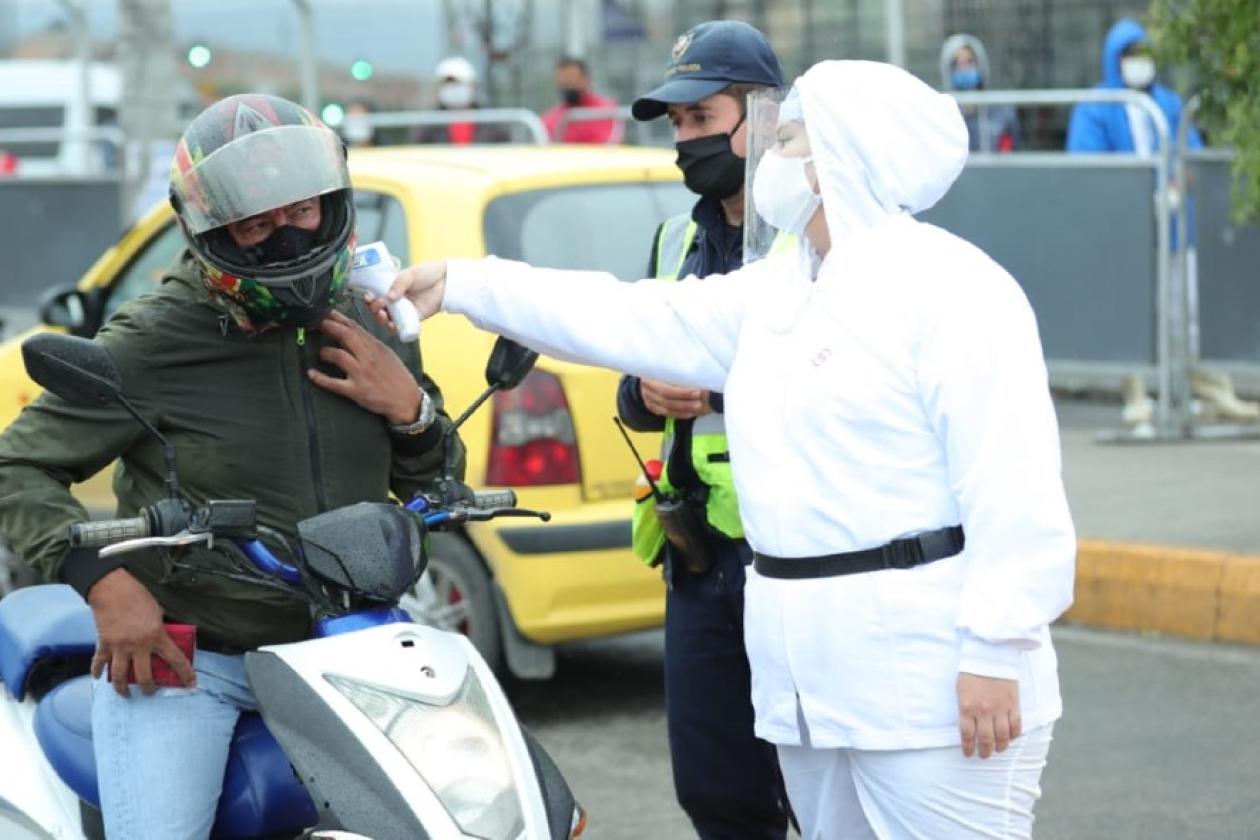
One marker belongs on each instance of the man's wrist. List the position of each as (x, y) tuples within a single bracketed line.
[(409, 411), (418, 419), (82, 568)]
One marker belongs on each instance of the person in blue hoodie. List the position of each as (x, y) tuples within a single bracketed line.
[(1115, 127)]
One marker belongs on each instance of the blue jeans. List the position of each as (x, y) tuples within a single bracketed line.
[(160, 758)]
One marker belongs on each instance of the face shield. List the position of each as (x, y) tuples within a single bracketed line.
[(260, 171), (780, 187)]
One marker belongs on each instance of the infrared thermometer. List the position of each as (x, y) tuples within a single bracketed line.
[(373, 270)]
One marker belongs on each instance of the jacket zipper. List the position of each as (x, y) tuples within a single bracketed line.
[(312, 432)]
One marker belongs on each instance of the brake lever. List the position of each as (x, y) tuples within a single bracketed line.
[(474, 515), (183, 538)]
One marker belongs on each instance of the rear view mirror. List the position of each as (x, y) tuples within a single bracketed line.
[(65, 308), (509, 363), (76, 369)]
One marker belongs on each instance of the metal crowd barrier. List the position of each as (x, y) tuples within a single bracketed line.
[(604, 112), (71, 143), (493, 116), (1170, 362)]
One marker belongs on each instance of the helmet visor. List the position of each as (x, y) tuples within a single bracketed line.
[(776, 128), (258, 172)]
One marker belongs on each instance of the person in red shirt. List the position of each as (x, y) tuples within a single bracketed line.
[(8, 163), (573, 83)]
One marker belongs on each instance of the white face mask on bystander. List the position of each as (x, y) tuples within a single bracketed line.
[(782, 194), (455, 95), (1138, 71)]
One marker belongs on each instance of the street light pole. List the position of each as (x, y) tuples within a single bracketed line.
[(307, 67), (575, 30), (895, 31), (79, 119), (148, 111)]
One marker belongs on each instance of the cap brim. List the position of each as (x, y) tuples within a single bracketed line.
[(655, 103)]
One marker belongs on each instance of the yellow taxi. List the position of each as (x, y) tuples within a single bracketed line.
[(516, 587)]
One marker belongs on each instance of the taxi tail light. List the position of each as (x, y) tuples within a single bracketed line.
[(532, 439)]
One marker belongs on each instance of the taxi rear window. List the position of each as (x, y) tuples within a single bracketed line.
[(599, 227)]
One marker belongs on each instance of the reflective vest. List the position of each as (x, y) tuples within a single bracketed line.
[(710, 455)]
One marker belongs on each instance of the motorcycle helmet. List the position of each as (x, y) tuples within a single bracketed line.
[(250, 155)]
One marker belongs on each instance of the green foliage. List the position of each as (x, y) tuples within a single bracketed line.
[(1219, 41)]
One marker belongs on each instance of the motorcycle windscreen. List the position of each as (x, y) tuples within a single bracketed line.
[(374, 550)]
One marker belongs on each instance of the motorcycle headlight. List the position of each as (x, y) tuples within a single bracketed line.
[(456, 748)]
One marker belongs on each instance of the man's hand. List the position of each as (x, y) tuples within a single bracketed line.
[(376, 378), (129, 632), (988, 714), (665, 400), (423, 284)]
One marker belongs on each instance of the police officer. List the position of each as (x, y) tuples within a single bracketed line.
[(725, 778)]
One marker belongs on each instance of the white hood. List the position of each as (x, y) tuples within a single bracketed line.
[(883, 142)]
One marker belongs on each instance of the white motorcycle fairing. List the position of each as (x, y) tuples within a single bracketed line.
[(400, 731), (34, 802)]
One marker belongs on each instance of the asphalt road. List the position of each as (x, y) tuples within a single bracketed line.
[(1159, 739)]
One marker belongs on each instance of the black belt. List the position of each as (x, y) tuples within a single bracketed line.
[(898, 554)]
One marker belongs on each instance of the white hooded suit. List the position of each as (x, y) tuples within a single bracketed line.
[(897, 387)]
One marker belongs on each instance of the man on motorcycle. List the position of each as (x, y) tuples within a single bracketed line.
[(272, 384)]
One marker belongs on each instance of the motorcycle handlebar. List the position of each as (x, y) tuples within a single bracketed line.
[(108, 531), (490, 500)]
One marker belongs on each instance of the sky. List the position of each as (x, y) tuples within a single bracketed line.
[(395, 35)]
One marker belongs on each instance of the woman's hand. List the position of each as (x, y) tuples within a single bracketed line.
[(376, 378), (988, 714), (423, 284)]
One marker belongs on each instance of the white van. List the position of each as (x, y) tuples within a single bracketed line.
[(48, 95)]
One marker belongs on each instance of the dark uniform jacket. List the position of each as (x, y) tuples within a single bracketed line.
[(718, 248), (246, 423)]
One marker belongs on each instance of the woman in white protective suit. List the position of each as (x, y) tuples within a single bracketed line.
[(894, 448)]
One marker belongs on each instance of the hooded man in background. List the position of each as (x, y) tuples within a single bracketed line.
[(457, 90), (1114, 127), (965, 67)]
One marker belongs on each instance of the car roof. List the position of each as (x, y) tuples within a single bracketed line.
[(499, 168)]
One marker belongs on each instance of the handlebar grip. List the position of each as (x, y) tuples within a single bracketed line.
[(494, 499), (107, 531)]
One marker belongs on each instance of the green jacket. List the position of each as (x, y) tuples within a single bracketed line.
[(246, 423)]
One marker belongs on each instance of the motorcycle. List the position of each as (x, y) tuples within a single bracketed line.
[(375, 728)]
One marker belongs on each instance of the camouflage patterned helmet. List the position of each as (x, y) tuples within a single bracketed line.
[(248, 155)]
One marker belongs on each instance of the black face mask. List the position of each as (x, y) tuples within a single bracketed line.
[(570, 96), (285, 243), (709, 167)]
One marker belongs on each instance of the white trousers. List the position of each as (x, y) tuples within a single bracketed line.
[(934, 794)]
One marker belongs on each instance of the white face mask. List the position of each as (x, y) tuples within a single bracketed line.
[(1138, 71), (455, 95), (356, 129), (782, 194)]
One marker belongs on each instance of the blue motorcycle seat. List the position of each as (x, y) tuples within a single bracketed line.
[(261, 793), (39, 622)]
